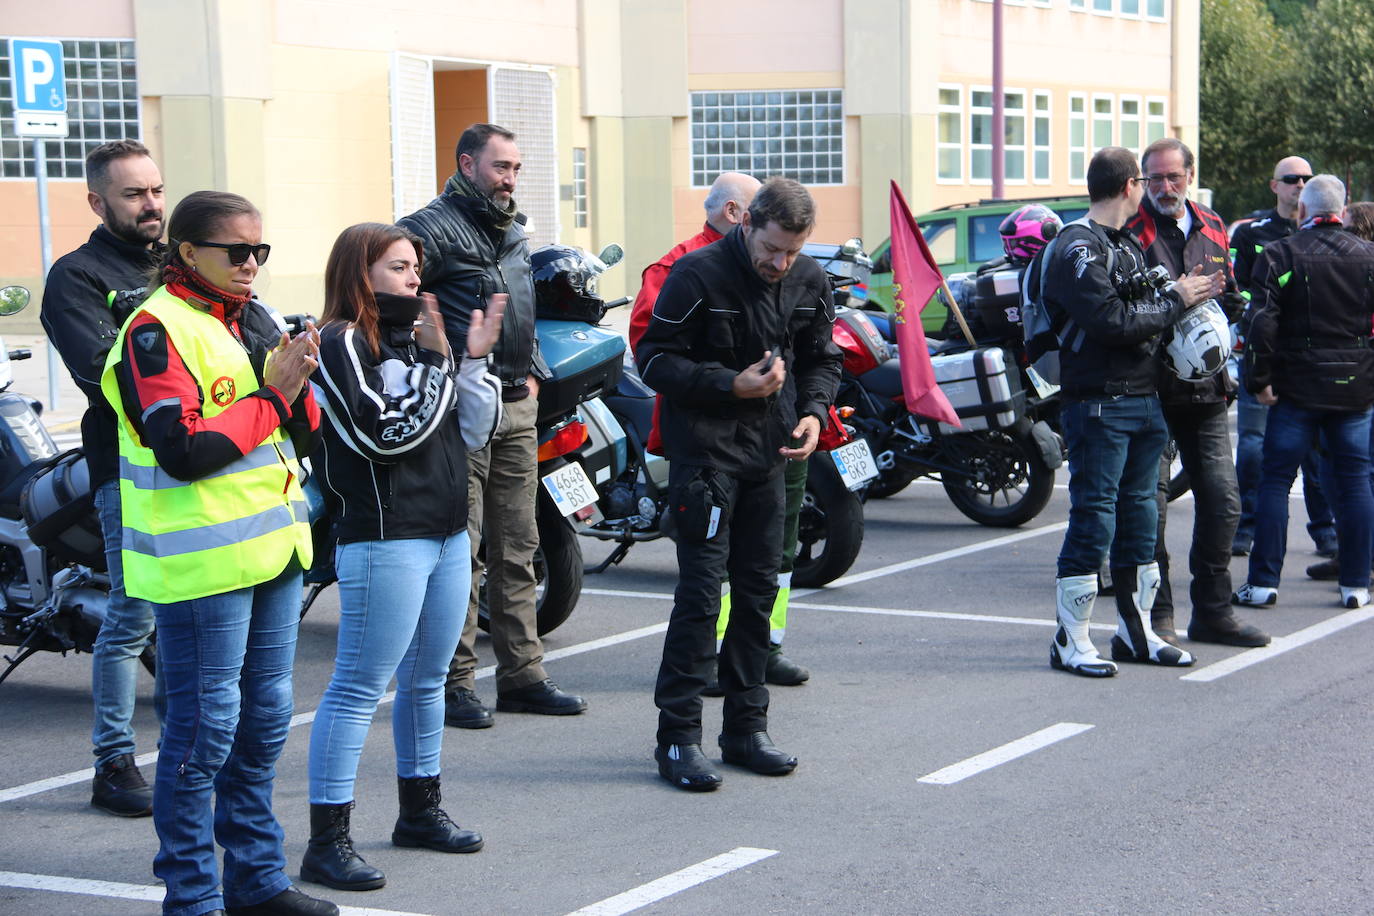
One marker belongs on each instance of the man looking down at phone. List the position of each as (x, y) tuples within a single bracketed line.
[(732, 321)]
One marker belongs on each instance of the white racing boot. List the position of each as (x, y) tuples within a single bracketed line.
[(1072, 649), (1135, 640)]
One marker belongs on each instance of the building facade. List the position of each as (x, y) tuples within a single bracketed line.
[(331, 112)]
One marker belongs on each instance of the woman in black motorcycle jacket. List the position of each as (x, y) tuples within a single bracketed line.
[(394, 466)]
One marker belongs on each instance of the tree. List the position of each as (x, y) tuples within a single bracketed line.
[(1248, 87), (1336, 116), (1288, 13)]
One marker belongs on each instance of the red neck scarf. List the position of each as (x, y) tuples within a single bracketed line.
[(189, 285)]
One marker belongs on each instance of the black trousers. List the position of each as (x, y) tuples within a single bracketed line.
[(1204, 446), (748, 545)]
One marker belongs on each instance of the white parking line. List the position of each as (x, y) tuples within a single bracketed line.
[(668, 885), (67, 779), (1279, 646), (1000, 755), (152, 893), (940, 557)]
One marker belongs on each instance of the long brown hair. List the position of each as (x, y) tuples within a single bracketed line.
[(348, 294), (1360, 220)]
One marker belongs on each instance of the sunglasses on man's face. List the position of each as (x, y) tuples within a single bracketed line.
[(239, 251), (1294, 179)]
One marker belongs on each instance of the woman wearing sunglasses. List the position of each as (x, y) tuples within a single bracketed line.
[(213, 408), (394, 468)]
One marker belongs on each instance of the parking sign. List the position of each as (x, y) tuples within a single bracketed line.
[(40, 88)]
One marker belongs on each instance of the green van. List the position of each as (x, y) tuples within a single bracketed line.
[(961, 237)]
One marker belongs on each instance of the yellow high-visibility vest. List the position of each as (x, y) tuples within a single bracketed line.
[(235, 528)]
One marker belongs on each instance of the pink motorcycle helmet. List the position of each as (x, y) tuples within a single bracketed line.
[(1026, 230)]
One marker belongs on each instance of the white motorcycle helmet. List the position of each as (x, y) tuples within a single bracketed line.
[(1200, 343)]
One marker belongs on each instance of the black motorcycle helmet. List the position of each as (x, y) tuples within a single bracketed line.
[(565, 284)]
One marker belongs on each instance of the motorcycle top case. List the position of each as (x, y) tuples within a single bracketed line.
[(997, 296), (984, 391), (584, 363)]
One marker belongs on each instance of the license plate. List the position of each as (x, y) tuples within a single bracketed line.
[(570, 488), (855, 463)]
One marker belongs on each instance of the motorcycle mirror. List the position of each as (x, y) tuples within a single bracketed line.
[(612, 254), (852, 247), (13, 299)]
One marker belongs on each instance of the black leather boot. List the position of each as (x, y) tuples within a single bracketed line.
[(423, 824), (330, 858)]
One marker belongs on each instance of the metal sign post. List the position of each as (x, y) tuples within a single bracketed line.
[(40, 111)]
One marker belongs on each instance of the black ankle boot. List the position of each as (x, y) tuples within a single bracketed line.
[(424, 824), (330, 858)]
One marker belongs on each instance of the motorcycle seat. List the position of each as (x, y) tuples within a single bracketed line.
[(884, 381)]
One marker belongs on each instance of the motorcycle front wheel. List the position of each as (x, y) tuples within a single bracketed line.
[(558, 569), (1007, 483), (830, 529)]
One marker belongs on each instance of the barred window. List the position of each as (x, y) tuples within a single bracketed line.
[(102, 105), (797, 133)]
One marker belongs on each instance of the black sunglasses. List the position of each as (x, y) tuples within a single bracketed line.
[(239, 252), (1294, 179)]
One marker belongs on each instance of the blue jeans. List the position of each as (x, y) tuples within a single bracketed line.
[(1114, 448), (1328, 472), (1287, 440), (124, 634), (226, 662), (402, 605), (1251, 417)]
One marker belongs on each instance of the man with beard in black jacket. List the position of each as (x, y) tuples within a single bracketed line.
[(86, 298), (1183, 235), (475, 246), (732, 322)]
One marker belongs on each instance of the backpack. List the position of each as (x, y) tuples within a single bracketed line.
[(1042, 339)]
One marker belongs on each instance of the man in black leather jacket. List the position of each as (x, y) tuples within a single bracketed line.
[(83, 309), (1182, 235), (1308, 358), (476, 248), (1108, 324), (734, 320)]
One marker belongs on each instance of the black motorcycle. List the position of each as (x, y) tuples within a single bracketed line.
[(53, 578)]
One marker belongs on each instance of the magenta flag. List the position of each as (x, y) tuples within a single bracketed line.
[(915, 278)]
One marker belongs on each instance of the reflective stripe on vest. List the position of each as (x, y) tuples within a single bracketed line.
[(234, 528)]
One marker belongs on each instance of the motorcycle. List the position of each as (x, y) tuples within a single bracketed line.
[(998, 470), (830, 526), (53, 578)]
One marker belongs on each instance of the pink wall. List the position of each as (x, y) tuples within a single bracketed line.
[(765, 36)]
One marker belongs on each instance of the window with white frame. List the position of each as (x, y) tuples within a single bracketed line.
[(579, 176), (1155, 124), (980, 135), (949, 134), (1129, 8), (1040, 138), (798, 133), (1154, 9), (1103, 7), (1078, 4), (1102, 121), (102, 105), (1014, 138), (1078, 137), (1132, 123)]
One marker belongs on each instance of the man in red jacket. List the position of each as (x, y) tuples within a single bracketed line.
[(725, 204)]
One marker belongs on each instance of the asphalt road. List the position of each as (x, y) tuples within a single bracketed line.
[(1237, 786)]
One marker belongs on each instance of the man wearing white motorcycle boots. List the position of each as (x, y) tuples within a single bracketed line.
[(726, 202), (1107, 322), (733, 320), (475, 246), (82, 318), (1182, 235)]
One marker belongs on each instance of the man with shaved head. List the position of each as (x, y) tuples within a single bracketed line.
[(729, 197), (1290, 177)]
